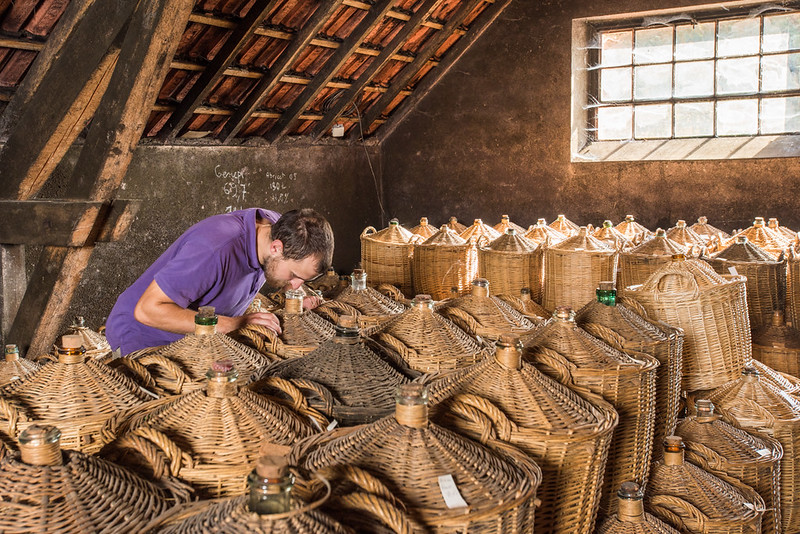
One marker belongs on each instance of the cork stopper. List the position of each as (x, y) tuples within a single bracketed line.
[(741, 239), (40, 445), (631, 508), (272, 467), (422, 302), (673, 450), (294, 301), (606, 286), (71, 350), (478, 222), (508, 351), (702, 219), (564, 314), (511, 231), (412, 405), (453, 220), (525, 294), (660, 232), (504, 219), (347, 331), (560, 217), (221, 379), (778, 318), (681, 223), (541, 222), (705, 411), (12, 352), (358, 280), (480, 287), (423, 221), (629, 218), (758, 222), (79, 322), (773, 222), (205, 321)]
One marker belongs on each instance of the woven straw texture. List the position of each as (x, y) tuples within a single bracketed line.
[(477, 230), (386, 255), (523, 303), (480, 314), (78, 398), (565, 226), (625, 330), (84, 494), (455, 226), (712, 311), (778, 346), (506, 223), (637, 264), (706, 231), (442, 262), (208, 438), (569, 354), (95, 343), (424, 229), (788, 233), (14, 367), (369, 301), (300, 334), (566, 435), (542, 234), (632, 230), (786, 383), (754, 403), (727, 451), (649, 524), (347, 381), (764, 278), (427, 342), (693, 500), (772, 241), (574, 268), (510, 263), (498, 484), (611, 236), (793, 286), (683, 235)]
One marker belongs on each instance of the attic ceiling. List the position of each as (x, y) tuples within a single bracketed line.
[(277, 69)]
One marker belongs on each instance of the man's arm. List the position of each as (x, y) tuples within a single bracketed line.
[(157, 310)]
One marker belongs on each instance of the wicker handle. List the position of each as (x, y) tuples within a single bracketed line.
[(699, 454), (690, 279), (362, 479), (387, 513), (749, 493), (140, 371), (634, 304), (298, 401), (391, 291), (12, 414), (332, 309), (263, 339), (606, 334), (154, 445), (677, 510), (369, 230), (406, 353), (169, 366), (476, 417), (464, 320), (560, 366), (45, 358), (514, 302), (321, 391), (503, 425)]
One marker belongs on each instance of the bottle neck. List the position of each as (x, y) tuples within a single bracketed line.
[(631, 510), (293, 306), (71, 356), (606, 296), (673, 457), (269, 496)]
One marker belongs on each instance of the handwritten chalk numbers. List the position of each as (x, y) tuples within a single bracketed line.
[(279, 186)]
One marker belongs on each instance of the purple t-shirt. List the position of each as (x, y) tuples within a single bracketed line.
[(214, 263)]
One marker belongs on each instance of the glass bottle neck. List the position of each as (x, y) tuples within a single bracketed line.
[(270, 496)]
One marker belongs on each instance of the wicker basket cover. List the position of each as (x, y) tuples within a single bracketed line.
[(787, 383), (624, 329), (693, 500), (563, 350), (478, 230), (778, 345), (635, 232), (764, 277), (442, 262), (13, 367), (424, 229), (510, 263), (712, 311), (754, 403), (787, 233), (631, 517), (683, 235), (366, 300), (793, 285), (542, 234), (523, 303), (408, 454), (483, 315), (565, 434), (564, 226), (209, 438), (708, 232), (95, 343), (636, 265), (348, 381), (76, 393), (455, 226), (505, 223), (44, 489), (574, 267), (723, 449), (386, 255), (611, 236), (772, 241), (427, 341)]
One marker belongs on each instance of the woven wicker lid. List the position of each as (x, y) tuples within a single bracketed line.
[(512, 241), (564, 225), (542, 233), (623, 321), (367, 300), (487, 310), (394, 234), (786, 232), (777, 334), (682, 275), (754, 401), (444, 237), (582, 241), (632, 229), (13, 366), (682, 234), (456, 226), (703, 229), (761, 235), (306, 328), (424, 228), (742, 250), (506, 223), (478, 230), (610, 235), (658, 245)]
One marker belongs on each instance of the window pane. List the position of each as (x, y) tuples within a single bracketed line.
[(737, 75), (780, 72), (615, 84), (738, 37), (652, 82), (694, 79), (780, 115), (653, 121), (616, 48), (694, 42), (781, 32), (614, 123), (653, 45), (737, 117), (694, 119)]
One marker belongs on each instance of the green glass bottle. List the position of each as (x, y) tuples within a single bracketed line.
[(606, 294), (206, 316), (270, 486)]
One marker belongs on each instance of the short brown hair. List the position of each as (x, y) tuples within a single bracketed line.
[(305, 232)]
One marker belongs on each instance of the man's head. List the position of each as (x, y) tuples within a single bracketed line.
[(301, 248)]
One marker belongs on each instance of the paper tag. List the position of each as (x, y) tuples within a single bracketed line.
[(333, 424), (733, 271), (452, 497)]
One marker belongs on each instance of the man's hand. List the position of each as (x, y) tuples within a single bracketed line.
[(311, 301), (229, 324)]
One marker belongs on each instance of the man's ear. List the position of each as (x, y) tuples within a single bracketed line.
[(276, 247)]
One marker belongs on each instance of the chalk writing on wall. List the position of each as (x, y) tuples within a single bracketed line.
[(234, 187), (279, 186)]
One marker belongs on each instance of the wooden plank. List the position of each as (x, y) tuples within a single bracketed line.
[(288, 58), (14, 280), (484, 20), (334, 64), (347, 97), (238, 39), (408, 72), (150, 43)]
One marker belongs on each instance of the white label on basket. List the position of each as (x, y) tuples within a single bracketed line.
[(333, 424), (733, 271), (452, 497)]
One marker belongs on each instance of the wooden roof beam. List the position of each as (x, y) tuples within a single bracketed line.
[(281, 66)]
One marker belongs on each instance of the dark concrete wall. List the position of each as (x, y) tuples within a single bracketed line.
[(182, 185), (493, 137)]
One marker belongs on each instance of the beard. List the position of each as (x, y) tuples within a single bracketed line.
[(272, 283)]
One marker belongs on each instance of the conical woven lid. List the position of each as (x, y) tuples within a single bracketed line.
[(631, 326), (682, 276), (610, 236), (703, 229), (632, 229), (478, 230), (490, 312), (682, 234), (424, 229), (369, 301), (13, 366), (565, 226), (582, 241), (512, 242), (784, 231), (659, 245), (456, 226), (745, 251), (92, 341), (305, 328), (766, 238), (444, 237), (542, 233), (777, 379), (754, 401), (505, 223), (394, 233), (777, 334)]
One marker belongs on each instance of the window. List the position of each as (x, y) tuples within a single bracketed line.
[(699, 85)]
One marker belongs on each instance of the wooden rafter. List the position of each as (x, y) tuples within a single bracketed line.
[(454, 53), (238, 39), (386, 54), (332, 66), (237, 121), (409, 71)]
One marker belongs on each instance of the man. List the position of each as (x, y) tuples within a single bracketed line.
[(221, 261)]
